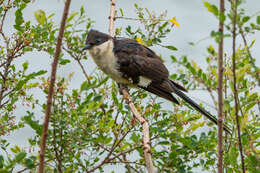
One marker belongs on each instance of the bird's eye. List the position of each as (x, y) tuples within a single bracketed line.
[(98, 40)]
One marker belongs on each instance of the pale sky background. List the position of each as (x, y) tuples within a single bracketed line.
[(195, 24)]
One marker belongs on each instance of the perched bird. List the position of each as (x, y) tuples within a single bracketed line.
[(135, 65)]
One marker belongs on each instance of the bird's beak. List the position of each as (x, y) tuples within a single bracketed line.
[(88, 46)]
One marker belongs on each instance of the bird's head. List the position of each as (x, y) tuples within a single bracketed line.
[(95, 38)]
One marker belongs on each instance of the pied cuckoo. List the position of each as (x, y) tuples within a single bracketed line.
[(135, 65)]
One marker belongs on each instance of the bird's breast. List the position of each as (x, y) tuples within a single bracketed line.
[(105, 59)]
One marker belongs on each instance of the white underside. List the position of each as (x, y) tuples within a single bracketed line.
[(144, 81), (105, 59)]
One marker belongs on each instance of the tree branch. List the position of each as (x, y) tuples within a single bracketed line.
[(146, 137), (234, 16), (51, 87), (220, 92)]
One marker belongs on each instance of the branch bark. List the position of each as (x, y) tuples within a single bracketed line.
[(51, 87), (146, 137), (220, 92), (234, 16), (137, 115)]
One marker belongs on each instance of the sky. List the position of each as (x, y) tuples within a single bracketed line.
[(195, 24)]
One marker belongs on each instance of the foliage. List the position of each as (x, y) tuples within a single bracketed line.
[(91, 127)]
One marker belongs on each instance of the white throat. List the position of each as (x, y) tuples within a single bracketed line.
[(105, 59)]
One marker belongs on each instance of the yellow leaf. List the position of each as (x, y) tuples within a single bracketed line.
[(195, 65), (173, 20), (228, 72), (139, 40)]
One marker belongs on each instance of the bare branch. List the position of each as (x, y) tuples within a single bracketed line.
[(220, 92), (146, 137), (51, 87), (234, 12), (112, 17)]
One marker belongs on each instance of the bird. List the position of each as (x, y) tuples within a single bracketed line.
[(134, 65)]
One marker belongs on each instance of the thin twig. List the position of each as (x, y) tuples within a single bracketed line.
[(107, 159), (2, 23), (251, 60), (25, 169), (56, 150), (51, 87), (234, 11), (137, 19), (220, 92), (112, 17)]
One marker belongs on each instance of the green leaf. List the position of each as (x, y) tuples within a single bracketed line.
[(250, 105), (1, 161), (72, 16), (41, 72), (173, 58), (135, 137), (164, 143), (82, 10), (199, 73), (84, 86), (114, 98), (25, 65), (204, 77), (121, 11), (97, 98), (40, 17), (222, 17), (29, 163), (102, 82), (258, 20), (171, 48), (252, 43), (211, 8), (20, 156), (64, 61), (19, 19), (245, 19)]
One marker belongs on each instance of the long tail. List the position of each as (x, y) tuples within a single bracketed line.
[(197, 107)]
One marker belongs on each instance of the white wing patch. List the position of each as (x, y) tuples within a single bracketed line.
[(144, 81)]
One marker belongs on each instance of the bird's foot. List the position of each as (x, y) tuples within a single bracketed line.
[(122, 87)]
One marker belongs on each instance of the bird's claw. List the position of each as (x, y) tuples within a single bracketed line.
[(122, 87)]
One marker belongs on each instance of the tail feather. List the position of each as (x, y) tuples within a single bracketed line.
[(165, 90), (160, 92), (177, 85), (197, 107)]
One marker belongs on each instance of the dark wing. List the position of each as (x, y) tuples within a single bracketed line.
[(137, 60)]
